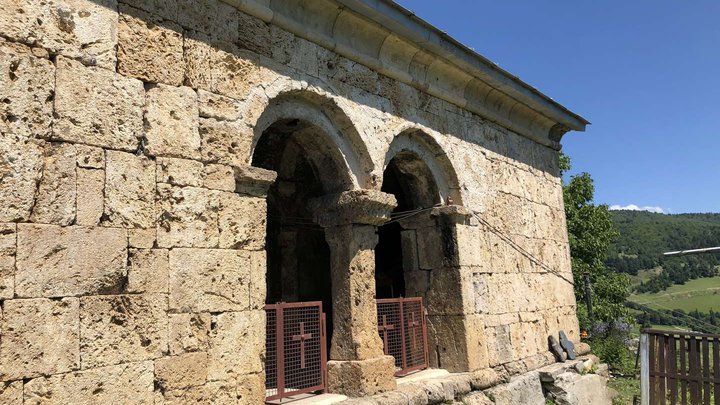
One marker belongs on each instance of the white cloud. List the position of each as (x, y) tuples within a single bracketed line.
[(633, 207)]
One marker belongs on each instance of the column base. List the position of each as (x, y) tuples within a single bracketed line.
[(359, 378)]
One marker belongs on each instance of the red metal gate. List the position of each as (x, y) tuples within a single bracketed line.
[(296, 359), (402, 325)]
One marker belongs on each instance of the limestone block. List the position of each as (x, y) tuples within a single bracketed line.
[(217, 393), (54, 261), (189, 332), (226, 142), (213, 17), (117, 329), (130, 383), (90, 157), (258, 279), (142, 238), (11, 392), (218, 107), (97, 107), (242, 222), (500, 349), (187, 217), (8, 242), (363, 377), (451, 291), (27, 84), (485, 378), (477, 398), (209, 280), (524, 389), (179, 172), (55, 201), (572, 388), (254, 35), (79, 29), (293, 51), (219, 177), (21, 163), (237, 345), (430, 254), (148, 271), (149, 48), (171, 122), (90, 195), (222, 68), (129, 190), (251, 389), (39, 337), (177, 372)]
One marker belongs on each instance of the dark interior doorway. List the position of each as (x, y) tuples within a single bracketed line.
[(298, 256), (409, 179)]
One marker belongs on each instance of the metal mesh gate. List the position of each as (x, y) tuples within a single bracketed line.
[(403, 329), (296, 360)]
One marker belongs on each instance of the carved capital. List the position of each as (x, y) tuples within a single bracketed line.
[(353, 207)]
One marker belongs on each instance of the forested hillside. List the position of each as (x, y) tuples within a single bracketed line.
[(644, 236)]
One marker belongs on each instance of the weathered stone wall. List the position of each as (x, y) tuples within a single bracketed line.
[(132, 236)]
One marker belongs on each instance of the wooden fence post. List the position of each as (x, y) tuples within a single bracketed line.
[(644, 370)]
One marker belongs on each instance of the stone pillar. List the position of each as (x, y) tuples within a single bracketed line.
[(357, 365)]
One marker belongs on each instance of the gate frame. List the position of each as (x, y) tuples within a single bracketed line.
[(404, 370), (280, 347)]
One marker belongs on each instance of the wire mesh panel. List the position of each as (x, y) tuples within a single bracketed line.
[(403, 330), (296, 359)]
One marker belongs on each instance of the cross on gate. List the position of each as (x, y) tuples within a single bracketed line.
[(384, 328), (412, 324), (302, 337)]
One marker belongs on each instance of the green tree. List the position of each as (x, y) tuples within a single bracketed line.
[(591, 231)]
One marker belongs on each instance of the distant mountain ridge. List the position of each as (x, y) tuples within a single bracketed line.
[(645, 236)]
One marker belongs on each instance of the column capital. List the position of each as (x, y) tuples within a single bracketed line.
[(368, 207), (455, 213)]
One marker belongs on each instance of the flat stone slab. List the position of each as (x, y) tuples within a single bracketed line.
[(422, 375), (307, 399)]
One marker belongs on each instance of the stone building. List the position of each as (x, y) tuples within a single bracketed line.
[(169, 167)]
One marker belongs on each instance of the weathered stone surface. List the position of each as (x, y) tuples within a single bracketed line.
[(253, 181), (171, 122), (219, 177), (251, 389), (362, 377), (236, 345), (572, 388), (187, 217), (189, 332), (142, 238), (27, 84), (122, 328), (149, 48), (226, 142), (54, 261), (218, 107), (222, 68), (524, 389), (219, 392), (126, 383), (148, 271), (129, 190), (180, 172), (90, 157), (39, 337), (80, 29), (11, 392), (477, 398), (8, 242), (209, 280), (242, 222), (90, 196), (213, 17), (97, 107), (55, 202), (21, 163), (186, 370)]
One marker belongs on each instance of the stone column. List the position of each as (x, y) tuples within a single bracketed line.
[(358, 366)]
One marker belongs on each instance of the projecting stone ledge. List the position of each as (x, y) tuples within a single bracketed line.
[(368, 207)]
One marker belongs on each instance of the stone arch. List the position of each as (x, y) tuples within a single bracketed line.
[(413, 145), (327, 132)]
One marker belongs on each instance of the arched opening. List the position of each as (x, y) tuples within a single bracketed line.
[(298, 256), (410, 180)]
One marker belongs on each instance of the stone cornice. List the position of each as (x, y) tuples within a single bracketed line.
[(391, 40), (368, 207)]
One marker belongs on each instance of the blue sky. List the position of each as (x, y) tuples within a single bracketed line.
[(646, 73)]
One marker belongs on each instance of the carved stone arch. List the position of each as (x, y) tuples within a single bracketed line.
[(326, 131), (412, 146)]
